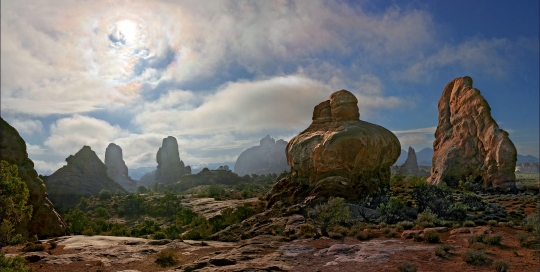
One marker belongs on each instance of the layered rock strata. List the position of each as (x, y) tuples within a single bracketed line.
[(170, 168), (468, 141), (45, 221), (84, 175), (117, 169), (268, 157), (338, 155)]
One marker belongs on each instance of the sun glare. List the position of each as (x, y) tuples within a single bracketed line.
[(128, 29)]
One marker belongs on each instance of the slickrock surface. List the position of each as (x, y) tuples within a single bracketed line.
[(117, 169), (84, 175), (209, 207), (468, 141), (45, 221), (170, 168), (268, 157), (337, 155)]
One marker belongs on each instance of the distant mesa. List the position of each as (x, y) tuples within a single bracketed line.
[(170, 168), (468, 141), (268, 157), (117, 169), (528, 167), (45, 221), (338, 155), (410, 166), (84, 175)]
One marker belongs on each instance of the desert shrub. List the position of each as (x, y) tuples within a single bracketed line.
[(493, 240), (173, 232), (510, 224), (13, 203), (395, 211), (472, 201), (214, 191), (133, 206), (159, 235), (426, 218), (476, 239), (76, 221), (362, 235), (142, 189), (437, 198), (104, 194), (307, 230), (475, 257), (531, 223), (432, 237), (83, 204), (407, 267), (480, 222), (443, 250), (406, 224), (417, 238), (102, 212), (522, 238), (332, 213), (469, 223), (15, 264), (146, 227), (185, 217), (166, 257), (118, 229), (492, 223), (31, 247), (501, 266), (53, 244)]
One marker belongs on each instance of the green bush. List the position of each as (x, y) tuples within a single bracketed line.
[(501, 266), (104, 194), (362, 235), (13, 203), (469, 223), (142, 190), (159, 235), (443, 250), (102, 212), (307, 230), (493, 240), (31, 247), (476, 257), (173, 232), (531, 224), (88, 232), (185, 217), (332, 213), (432, 237), (76, 221), (394, 211), (15, 264), (492, 223), (166, 257), (426, 218), (118, 229), (407, 267), (476, 239)]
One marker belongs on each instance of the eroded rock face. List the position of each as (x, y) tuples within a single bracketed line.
[(45, 221), (84, 175), (337, 155), (117, 169), (468, 141), (268, 157), (170, 168)]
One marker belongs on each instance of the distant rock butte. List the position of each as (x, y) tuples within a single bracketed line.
[(268, 157), (45, 221), (337, 155), (410, 167), (84, 175), (117, 169), (170, 168), (468, 141)]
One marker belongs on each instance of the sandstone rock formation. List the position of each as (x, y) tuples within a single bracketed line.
[(410, 167), (268, 157), (45, 221), (147, 178), (337, 155), (468, 141), (84, 175), (170, 168), (117, 169), (528, 167)]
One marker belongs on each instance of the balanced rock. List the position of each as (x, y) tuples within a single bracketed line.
[(268, 157), (468, 141), (170, 168), (84, 175), (337, 155), (117, 169), (45, 221)]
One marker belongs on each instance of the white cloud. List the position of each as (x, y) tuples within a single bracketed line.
[(428, 130), (47, 167), (69, 135), (26, 126)]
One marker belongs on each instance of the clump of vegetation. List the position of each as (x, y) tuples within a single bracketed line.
[(166, 257), (395, 211), (15, 264), (432, 237), (426, 219), (105, 194), (330, 214), (492, 223), (307, 230), (501, 266), (469, 223), (476, 257), (406, 224), (407, 267), (13, 204), (443, 250), (31, 247)]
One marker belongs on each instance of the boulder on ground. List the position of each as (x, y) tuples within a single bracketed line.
[(45, 221), (468, 142)]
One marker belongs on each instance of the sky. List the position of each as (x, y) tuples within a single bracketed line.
[(221, 75)]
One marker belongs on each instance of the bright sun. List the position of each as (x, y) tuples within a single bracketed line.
[(128, 29)]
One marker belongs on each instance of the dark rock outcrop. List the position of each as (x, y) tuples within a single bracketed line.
[(84, 175), (147, 178), (337, 155), (268, 157), (410, 167), (468, 142), (45, 221), (117, 169), (170, 168)]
